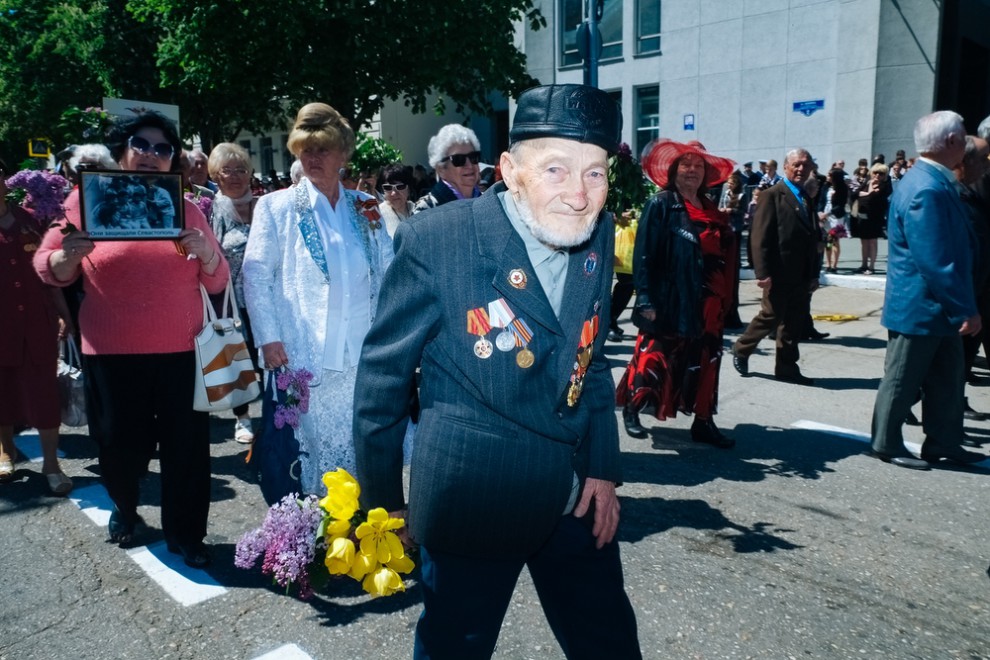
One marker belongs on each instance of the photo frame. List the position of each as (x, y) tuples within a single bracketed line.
[(123, 205)]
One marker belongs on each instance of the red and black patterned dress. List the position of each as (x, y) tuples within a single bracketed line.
[(674, 373)]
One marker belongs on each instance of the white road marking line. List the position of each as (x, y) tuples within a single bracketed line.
[(808, 425), (186, 585), (94, 502), (29, 444), (287, 652), (911, 446)]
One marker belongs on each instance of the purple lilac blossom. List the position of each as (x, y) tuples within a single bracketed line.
[(45, 192), (287, 539)]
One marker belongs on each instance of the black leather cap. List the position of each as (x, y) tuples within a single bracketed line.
[(571, 112)]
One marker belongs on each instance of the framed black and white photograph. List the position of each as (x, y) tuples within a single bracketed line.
[(123, 205)]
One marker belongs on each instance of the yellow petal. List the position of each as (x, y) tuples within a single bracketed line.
[(402, 564), (395, 548), (369, 543), (337, 528), (383, 582), (377, 516), (363, 564), (340, 556)]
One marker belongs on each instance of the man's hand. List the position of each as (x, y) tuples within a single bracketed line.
[(606, 509), (971, 326), (764, 283)]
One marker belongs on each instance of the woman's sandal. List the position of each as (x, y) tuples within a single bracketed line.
[(59, 484), (6, 469)]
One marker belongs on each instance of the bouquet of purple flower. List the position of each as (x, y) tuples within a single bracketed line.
[(287, 539), (40, 191), (202, 202), (295, 384)]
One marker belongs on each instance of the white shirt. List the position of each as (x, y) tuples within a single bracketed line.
[(349, 307)]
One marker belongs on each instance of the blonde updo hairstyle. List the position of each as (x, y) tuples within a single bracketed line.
[(318, 125), (226, 154)]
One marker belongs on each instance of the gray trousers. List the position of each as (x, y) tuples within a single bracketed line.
[(926, 364)]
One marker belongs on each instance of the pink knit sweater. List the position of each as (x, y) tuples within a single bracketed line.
[(141, 296)]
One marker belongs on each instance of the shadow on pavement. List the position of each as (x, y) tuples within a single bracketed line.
[(645, 517)]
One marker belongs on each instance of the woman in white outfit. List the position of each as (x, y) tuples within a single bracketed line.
[(312, 271)]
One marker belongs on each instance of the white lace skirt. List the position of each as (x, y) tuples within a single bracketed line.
[(325, 432)]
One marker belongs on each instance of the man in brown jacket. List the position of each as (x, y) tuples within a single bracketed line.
[(785, 260)]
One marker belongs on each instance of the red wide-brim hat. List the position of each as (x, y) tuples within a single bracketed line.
[(660, 154)]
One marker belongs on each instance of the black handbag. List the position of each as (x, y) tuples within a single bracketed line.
[(275, 454)]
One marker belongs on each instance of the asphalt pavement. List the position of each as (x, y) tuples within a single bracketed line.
[(794, 544)]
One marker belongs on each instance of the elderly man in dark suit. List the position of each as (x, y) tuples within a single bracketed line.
[(929, 302), (503, 302), (784, 237)]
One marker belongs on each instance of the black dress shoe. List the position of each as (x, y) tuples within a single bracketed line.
[(741, 363), (615, 335), (956, 455), (704, 430), (814, 335), (195, 555), (630, 418), (796, 378), (912, 419), (908, 462)]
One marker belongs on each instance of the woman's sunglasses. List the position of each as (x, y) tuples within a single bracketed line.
[(161, 150), (397, 187), (459, 160)]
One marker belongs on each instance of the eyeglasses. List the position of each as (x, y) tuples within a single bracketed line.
[(459, 160), (397, 187), (161, 150), (233, 171)]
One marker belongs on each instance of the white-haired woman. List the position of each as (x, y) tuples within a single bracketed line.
[(312, 272), (233, 207), (95, 156), (454, 153)]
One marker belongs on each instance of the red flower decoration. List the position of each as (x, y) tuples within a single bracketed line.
[(369, 209)]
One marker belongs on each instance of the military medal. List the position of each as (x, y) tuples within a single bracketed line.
[(483, 348), (517, 278), (501, 316), (590, 263), (369, 209), (584, 353), (523, 335), (478, 324), (505, 341)]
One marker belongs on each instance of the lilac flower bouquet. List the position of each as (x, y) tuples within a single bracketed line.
[(40, 191), (295, 384), (287, 542)]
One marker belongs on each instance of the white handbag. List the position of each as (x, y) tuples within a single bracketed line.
[(225, 375)]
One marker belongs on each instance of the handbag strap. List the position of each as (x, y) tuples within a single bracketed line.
[(72, 357), (210, 315)]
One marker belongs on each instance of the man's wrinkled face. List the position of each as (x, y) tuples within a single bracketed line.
[(560, 187), (799, 168)]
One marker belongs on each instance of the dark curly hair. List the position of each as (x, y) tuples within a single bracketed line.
[(127, 127)]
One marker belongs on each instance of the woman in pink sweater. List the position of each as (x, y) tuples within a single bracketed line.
[(141, 310)]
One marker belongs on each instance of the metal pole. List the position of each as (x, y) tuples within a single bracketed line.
[(591, 65)]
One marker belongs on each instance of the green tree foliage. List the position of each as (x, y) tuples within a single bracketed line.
[(628, 189), (234, 65), (68, 53), (371, 154)]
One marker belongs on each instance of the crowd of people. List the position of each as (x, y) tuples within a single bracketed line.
[(350, 277)]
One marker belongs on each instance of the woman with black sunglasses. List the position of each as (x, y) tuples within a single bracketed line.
[(395, 183), (454, 153), (138, 320)]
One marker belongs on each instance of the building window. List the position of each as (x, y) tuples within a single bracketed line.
[(647, 116), (573, 13), (647, 26), (267, 157)]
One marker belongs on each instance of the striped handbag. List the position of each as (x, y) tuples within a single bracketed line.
[(225, 375)]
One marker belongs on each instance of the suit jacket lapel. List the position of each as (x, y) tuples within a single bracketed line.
[(499, 241)]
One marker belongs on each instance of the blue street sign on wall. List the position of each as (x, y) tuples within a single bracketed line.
[(688, 122), (808, 108)]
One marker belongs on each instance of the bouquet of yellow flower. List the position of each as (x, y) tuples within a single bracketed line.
[(305, 541)]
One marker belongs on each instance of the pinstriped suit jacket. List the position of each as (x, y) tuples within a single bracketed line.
[(497, 445)]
